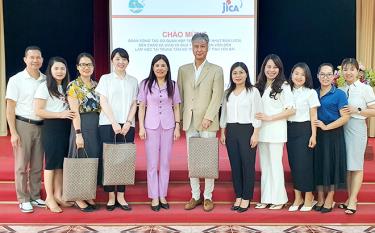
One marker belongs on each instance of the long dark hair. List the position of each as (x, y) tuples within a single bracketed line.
[(232, 86), (51, 82), (149, 81), (278, 81), (306, 70)]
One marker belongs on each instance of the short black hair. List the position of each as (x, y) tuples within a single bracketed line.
[(122, 52), (32, 47)]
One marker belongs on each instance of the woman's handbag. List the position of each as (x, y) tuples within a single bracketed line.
[(119, 163), (80, 177), (203, 159)]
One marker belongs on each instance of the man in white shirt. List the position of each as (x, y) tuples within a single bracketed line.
[(201, 86), (25, 130)]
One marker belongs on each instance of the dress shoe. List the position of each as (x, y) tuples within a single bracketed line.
[(308, 208), (164, 205), (93, 206), (110, 207), (193, 203), (276, 207), (126, 207), (88, 208), (155, 208), (327, 210), (342, 206), (317, 207), (234, 207), (208, 205), (241, 209), (294, 208), (261, 206)]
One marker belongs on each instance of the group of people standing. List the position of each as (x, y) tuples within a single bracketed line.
[(50, 117)]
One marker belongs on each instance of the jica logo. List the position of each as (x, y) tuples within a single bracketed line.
[(231, 6)]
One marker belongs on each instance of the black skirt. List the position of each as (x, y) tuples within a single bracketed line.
[(300, 156), (90, 134), (330, 160), (55, 140)]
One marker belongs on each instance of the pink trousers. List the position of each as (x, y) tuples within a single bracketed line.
[(158, 152)]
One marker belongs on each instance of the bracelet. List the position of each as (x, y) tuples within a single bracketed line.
[(78, 131), (177, 122)]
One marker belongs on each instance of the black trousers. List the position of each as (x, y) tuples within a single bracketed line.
[(107, 135), (242, 158)]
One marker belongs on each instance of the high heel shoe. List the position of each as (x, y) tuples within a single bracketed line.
[(93, 206), (53, 209), (164, 205), (327, 210), (276, 207), (234, 207), (125, 207), (308, 208), (88, 208), (241, 209)]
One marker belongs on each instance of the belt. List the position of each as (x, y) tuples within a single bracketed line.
[(34, 122)]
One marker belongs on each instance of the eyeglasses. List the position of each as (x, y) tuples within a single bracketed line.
[(84, 65), (328, 75)]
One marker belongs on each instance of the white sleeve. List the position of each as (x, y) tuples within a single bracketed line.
[(135, 91), (286, 97), (42, 91), (223, 115), (313, 99), (257, 107), (102, 86), (369, 95), (12, 90)]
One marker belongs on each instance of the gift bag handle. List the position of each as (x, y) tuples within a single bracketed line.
[(75, 155), (114, 139)]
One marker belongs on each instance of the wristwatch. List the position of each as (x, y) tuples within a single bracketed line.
[(78, 131), (359, 110)]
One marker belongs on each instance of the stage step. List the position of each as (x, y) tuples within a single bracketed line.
[(142, 214), (181, 192)]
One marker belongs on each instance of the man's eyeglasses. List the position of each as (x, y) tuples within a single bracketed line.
[(84, 65), (328, 75)]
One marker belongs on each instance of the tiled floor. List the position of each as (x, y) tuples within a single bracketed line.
[(187, 229)]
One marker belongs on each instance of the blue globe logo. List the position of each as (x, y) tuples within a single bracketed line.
[(136, 6)]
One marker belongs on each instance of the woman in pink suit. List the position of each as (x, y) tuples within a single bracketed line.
[(159, 125)]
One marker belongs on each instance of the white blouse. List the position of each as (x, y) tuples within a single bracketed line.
[(241, 108), (275, 131), (120, 94), (359, 95), (53, 104), (304, 99)]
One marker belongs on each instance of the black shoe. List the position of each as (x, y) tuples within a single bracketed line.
[(164, 205), (325, 210), (88, 208), (240, 209), (317, 207), (110, 207), (155, 208), (124, 207), (93, 206), (234, 207)]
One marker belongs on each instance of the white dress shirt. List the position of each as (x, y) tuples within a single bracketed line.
[(21, 88), (241, 108), (304, 99), (359, 95), (120, 94), (198, 70)]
